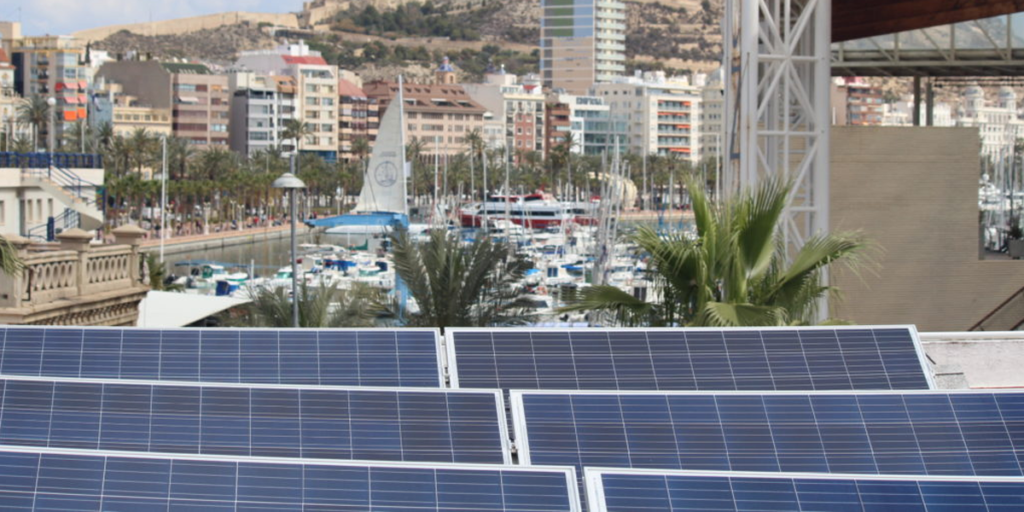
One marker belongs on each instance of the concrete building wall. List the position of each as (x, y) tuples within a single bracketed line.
[(984, 360), (146, 80), (914, 193)]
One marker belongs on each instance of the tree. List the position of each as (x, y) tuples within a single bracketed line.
[(319, 307), (158, 276), (34, 111), (459, 285), (736, 272), (295, 130)]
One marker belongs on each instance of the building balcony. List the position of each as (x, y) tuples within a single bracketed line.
[(608, 24)]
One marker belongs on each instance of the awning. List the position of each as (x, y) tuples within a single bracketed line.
[(83, 85), (70, 115), (82, 99), (82, 113), (188, 99), (170, 309), (71, 100)]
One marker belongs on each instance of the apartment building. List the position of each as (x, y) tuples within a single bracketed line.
[(438, 116), (712, 117), (8, 100), (126, 113), (587, 119), (358, 118), (582, 42), (519, 104), (316, 85), (661, 115), (196, 97), (51, 67), (260, 107)]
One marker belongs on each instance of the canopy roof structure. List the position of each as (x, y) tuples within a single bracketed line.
[(857, 19)]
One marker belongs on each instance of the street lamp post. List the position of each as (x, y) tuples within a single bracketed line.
[(51, 137), (291, 183)]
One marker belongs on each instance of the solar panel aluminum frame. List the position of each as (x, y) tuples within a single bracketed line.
[(438, 339), (453, 368), (569, 471), (595, 498), (522, 441), (499, 399)]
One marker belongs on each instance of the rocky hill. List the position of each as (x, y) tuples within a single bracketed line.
[(369, 36)]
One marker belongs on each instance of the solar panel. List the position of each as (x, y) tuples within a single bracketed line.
[(408, 424), (80, 480), (805, 359), (335, 357), (920, 433), (678, 491)]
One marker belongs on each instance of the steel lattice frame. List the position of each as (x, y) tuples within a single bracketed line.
[(779, 56)]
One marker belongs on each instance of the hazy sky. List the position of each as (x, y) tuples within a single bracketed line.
[(40, 17)]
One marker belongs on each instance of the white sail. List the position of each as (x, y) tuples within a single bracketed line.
[(384, 181)]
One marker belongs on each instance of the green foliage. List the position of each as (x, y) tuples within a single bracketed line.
[(158, 276), (472, 63), (319, 307), (415, 19), (460, 285), (735, 273)]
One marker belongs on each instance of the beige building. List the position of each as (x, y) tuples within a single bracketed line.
[(519, 105), (125, 113), (317, 91), (582, 42), (51, 67), (8, 102), (196, 98), (437, 115), (661, 114)]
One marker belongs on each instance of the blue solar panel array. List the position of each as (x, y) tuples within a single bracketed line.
[(923, 433), (100, 481), (610, 491), (335, 423), (336, 357), (688, 359)]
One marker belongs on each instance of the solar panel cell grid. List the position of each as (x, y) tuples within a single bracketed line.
[(878, 433), (652, 492), (95, 482), (691, 359), (307, 357), (436, 426)]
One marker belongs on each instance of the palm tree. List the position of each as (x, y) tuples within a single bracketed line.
[(475, 141), (319, 307), (736, 273), (10, 264), (158, 276), (296, 130), (361, 148), (34, 111), (459, 285)]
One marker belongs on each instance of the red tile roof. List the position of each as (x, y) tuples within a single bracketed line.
[(290, 59), (4, 59), (346, 88)]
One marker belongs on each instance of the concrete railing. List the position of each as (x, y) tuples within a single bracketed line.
[(74, 268)]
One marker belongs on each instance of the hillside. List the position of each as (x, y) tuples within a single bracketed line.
[(676, 34)]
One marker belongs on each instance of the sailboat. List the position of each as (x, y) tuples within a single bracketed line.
[(382, 205)]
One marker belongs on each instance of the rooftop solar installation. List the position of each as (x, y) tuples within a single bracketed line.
[(407, 424), (918, 433), (679, 491), (82, 480), (806, 359), (335, 357)]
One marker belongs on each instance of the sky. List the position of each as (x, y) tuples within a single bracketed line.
[(40, 17)]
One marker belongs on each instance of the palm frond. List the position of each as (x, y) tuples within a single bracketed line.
[(10, 264)]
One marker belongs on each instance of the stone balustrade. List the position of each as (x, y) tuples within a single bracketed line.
[(74, 282)]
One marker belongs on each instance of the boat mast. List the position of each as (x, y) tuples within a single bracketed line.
[(406, 167)]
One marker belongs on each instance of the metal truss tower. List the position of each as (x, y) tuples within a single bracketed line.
[(778, 54)]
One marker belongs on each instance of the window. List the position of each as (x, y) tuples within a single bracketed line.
[(327, 102)]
